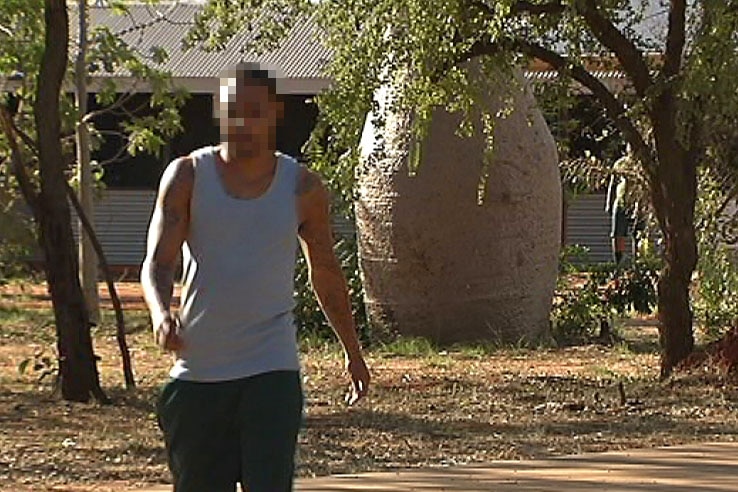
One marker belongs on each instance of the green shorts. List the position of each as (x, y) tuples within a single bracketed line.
[(619, 223), (218, 434)]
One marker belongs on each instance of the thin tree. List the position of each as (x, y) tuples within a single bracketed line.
[(87, 256), (77, 362), (37, 135)]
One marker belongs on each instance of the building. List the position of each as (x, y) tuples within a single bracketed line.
[(124, 207)]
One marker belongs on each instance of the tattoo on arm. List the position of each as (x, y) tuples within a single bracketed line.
[(167, 232), (171, 218), (308, 182), (164, 283)]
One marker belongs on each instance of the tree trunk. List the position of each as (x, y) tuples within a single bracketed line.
[(674, 196), (438, 264), (77, 363), (87, 258), (120, 322)]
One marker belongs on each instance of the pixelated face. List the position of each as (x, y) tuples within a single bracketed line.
[(248, 117)]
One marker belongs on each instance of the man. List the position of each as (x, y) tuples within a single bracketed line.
[(232, 408), (615, 204)]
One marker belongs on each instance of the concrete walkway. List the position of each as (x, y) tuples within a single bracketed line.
[(695, 468)]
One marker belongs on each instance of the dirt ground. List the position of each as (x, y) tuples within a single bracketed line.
[(426, 407), (36, 296)]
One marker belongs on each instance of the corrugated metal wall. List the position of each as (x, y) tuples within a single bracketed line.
[(121, 220), (588, 225), (122, 217)]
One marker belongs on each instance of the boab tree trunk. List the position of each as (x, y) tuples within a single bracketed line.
[(438, 264)]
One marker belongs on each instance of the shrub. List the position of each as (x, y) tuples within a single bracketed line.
[(310, 318), (585, 301), (715, 291)]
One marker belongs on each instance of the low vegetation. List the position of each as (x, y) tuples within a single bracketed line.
[(428, 406)]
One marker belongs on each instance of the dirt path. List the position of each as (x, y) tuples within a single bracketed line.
[(712, 467), (36, 296), (699, 467)]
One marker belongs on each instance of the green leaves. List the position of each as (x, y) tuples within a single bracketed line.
[(107, 92), (159, 55), (716, 292), (584, 300), (710, 89), (267, 21)]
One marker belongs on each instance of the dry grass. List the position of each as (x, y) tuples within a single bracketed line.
[(428, 408)]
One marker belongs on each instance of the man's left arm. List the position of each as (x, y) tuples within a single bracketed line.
[(326, 277)]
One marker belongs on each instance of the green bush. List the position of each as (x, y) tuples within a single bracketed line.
[(573, 258), (17, 239), (715, 289), (716, 300), (576, 314), (310, 318), (584, 301)]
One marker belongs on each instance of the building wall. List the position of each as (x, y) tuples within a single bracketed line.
[(122, 217), (142, 171), (121, 222), (587, 224)]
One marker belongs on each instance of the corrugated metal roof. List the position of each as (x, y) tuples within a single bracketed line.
[(301, 55), (146, 27), (547, 75)]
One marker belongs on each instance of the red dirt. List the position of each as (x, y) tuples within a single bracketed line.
[(36, 296)]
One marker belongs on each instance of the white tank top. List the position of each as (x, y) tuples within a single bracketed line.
[(238, 277)]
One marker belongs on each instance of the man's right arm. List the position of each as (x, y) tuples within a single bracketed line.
[(167, 232), (610, 195)]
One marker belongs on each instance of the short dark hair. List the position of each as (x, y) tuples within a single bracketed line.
[(252, 74)]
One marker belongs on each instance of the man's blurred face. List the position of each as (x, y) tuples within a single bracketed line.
[(248, 117)]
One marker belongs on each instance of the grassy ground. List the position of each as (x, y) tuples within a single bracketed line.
[(427, 407)]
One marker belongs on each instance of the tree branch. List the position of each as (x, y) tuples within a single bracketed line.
[(26, 139), (124, 98), (555, 7), (614, 108), (676, 38), (524, 7), (116, 158), (630, 57), (19, 168), (117, 306)]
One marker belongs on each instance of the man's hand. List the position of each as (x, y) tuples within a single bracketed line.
[(359, 374), (169, 334)]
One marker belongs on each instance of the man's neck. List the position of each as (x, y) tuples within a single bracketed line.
[(254, 164)]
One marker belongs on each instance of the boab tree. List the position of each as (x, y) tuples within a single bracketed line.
[(678, 58)]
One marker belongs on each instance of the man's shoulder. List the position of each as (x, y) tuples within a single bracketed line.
[(181, 168), (308, 181), (184, 166), (289, 160), (197, 154), (179, 175)]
